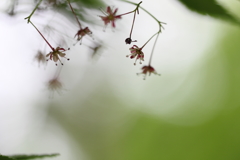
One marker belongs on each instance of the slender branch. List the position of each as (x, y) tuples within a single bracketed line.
[(150, 39), (150, 59), (159, 31), (132, 25), (125, 13), (143, 9), (29, 17), (74, 14), (42, 36), (136, 9)]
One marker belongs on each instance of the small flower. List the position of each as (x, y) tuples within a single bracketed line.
[(54, 85), (148, 69), (54, 55), (136, 52), (82, 32), (40, 57), (110, 16), (129, 41)]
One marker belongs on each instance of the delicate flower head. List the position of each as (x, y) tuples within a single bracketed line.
[(136, 52), (110, 16), (148, 69), (82, 32), (54, 55), (54, 85), (40, 57)]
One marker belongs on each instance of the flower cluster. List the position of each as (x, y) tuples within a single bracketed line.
[(135, 51), (109, 17)]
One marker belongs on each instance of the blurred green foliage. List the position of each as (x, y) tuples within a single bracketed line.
[(209, 7), (27, 157), (105, 129)]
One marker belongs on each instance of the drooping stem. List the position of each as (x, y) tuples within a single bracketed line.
[(80, 26), (137, 4), (42, 35), (159, 31), (149, 39), (132, 24), (150, 59), (135, 10), (29, 17), (125, 13)]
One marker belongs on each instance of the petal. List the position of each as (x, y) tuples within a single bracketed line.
[(113, 24), (109, 11), (48, 54), (115, 11), (55, 58), (118, 17), (61, 54), (61, 49)]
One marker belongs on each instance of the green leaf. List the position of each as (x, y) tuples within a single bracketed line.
[(209, 7), (33, 156), (89, 3), (5, 158), (79, 8)]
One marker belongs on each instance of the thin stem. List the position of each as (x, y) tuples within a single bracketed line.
[(125, 13), (149, 39), (75, 14), (143, 9), (42, 36), (152, 15), (150, 59), (159, 31), (136, 9), (132, 24), (29, 17)]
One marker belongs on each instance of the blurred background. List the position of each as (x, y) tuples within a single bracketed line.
[(104, 111)]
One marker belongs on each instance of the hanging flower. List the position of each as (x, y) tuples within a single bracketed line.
[(40, 58), (110, 16), (136, 52), (54, 55), (148, 69), (54, 85), (82, 32)]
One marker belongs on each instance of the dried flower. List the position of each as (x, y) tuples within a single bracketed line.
[(148, 69), (54, 55), (82, 32), (110, 16), (136, 52)]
